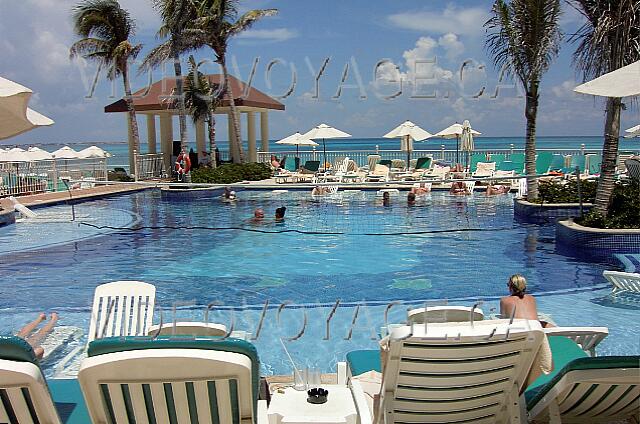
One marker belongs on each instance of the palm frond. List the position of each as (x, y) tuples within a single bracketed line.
[(249, 18)]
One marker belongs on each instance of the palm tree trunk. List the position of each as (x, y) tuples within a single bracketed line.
[(182, 114), (131, 111), (234, 138), (212, 138), (531, 112), (606, 182)]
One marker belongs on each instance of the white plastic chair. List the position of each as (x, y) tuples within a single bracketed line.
[(122, 308), (432, 314), (626, 281), (469, 186), (585, 337)]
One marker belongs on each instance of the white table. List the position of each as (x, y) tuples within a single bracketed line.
[(291, 407)]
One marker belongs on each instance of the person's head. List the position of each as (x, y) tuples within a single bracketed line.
[(280, 213), (258, 213), (386, 195), (411, 197), (517, 285)]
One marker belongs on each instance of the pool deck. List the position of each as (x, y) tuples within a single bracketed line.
[(46, 199)]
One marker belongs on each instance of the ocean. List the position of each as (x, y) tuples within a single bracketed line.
[(119, 150)]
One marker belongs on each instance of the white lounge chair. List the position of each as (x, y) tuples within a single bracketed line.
[(469, 186), (432, 314), (27, 398), (122, 308), (145, 380), (581, 389), (450, 373), (623, 281), (188, 328), (484, 169), (585, 337)]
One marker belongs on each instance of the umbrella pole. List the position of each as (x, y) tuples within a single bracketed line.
[(324, 149), (457, 150)]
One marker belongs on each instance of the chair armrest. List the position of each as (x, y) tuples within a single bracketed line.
[(359, 397), (341, 370), (586, 337), (261, 413)]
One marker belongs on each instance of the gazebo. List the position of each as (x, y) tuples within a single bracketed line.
[(152, 101)]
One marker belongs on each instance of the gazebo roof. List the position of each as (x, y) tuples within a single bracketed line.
[(151, 98)]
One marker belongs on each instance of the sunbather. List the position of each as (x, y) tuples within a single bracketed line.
[(33, 337), (497, 189), (274, 162), (421, 189), (319, 191), (518, 303), (458, 188)]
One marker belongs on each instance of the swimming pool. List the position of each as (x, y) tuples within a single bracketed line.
[(347, 248)]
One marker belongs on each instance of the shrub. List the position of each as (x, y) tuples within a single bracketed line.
[(231, 173), (566, 191), (624, 210)]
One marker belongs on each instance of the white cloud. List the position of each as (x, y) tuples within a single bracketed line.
[(467, 21), (565, 89), (270, 35), (452, 45)]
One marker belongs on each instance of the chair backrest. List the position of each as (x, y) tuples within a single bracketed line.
[(508, 165), (627, 281), (352, 166), (24, 396), (312, 165), (454, 372), (145, 380), (342, 166), (385, 162), (633, 168), (622, 157), (470, 185), (477, 158), (557, 162), (292, 164), (337, 162), (543, 162), (485, 168), (444, 314), (522, 188), (424, 163), (122, 308), (585, 337), (594, 163), (497, 158), (517, 157), (372, 161), (398, 163)]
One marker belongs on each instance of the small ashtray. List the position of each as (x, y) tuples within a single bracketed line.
[(317, 396)]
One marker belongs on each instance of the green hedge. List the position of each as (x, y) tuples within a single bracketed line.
[(566, 191), (624, 210), (231, 173)]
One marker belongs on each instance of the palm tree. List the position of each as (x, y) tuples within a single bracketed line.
[(202, 99), (608, 40), (216, 24), (105, 30), (524, 41), (175, 14)]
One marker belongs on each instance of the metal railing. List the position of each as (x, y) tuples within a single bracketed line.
[(23, 178), (448, 155)]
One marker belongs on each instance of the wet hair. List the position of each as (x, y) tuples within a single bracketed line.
[(280, 212), (385, 195), (411, 197), (518, 285)]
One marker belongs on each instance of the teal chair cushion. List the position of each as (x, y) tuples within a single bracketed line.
[(361, 361), (122, 344), (69, 402), (14, 348)]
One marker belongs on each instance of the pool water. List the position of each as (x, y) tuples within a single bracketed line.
[(346, 248)]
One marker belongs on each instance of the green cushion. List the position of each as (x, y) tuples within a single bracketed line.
[(13, 348), (121, 344), (69, 401), (361, 361), (567, 357), (423, 163)]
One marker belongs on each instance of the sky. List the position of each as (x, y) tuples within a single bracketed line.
[(435, 48)]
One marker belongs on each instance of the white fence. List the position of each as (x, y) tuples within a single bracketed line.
[(150, 166), (23, 178), (360, 156)]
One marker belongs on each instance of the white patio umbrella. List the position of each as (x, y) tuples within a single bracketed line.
[(15, 117), (93, 152), (297, 140), (324, 131), (407, 132), (623, 82), (65, 152), (36, 154), (455, 131), (15, 155), (632, 132)]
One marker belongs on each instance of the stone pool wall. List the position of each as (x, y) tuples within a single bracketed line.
[(536, 213), (595, 243)]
